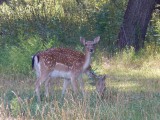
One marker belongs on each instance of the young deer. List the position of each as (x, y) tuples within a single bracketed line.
[(101, 85), (60, 62), (99, 82)]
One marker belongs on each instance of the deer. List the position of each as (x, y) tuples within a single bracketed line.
[(99, 80), (101, 86), (61, 62)]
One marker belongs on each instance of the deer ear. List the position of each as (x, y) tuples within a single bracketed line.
[(96, 40), (104, 77), (82, 40)]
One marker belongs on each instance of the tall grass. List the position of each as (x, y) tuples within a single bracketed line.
[(132, 93), (117, 105)]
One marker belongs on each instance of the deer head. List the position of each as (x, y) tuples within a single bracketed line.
[(90, 45), (89, 49)]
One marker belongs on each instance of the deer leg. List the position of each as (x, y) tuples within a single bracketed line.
[(65, 85), (74, 84), (47, 86), (37, 86), (82, 85), (38, 83)]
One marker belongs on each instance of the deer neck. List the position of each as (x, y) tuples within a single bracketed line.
[(87, 60)]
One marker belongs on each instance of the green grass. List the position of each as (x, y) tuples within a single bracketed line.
[(132, 94)]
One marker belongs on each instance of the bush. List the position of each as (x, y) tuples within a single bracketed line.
[(17, 59)]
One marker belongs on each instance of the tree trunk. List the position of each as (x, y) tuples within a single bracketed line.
[(135, 23)]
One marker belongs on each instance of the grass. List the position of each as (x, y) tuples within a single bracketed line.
[(132, 94)]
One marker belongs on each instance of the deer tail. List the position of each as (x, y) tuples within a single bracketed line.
[(35, 58)]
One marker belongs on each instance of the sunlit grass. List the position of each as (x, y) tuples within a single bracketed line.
[(131, 94), (125, 86), (134, 80)]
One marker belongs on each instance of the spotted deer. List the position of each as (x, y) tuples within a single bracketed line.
[(101, 85), (61, 62)]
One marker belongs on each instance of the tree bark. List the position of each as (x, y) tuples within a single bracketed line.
[(135, 23)]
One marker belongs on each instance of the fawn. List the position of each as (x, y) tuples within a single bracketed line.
[(64, 63)]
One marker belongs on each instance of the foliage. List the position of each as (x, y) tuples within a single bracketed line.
[(17, 59), (29, 26), (67, 20)]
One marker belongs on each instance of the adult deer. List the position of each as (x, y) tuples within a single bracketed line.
[(60, 62)]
